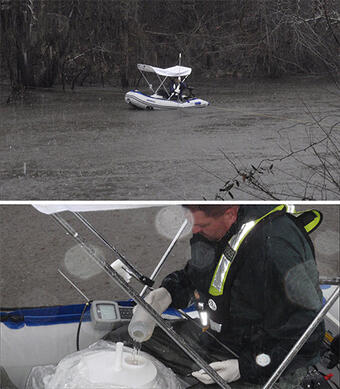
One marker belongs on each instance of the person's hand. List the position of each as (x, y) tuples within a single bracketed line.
[(229, 370), (159, 299)]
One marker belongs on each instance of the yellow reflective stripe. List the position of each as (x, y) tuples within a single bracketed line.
[(225, 275), (276, 209), (236, 240), (213, 290), (310, 226), (314, 223)]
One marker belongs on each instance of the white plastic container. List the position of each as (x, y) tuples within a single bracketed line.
[(104, 365), (119, 367), (141, 325)]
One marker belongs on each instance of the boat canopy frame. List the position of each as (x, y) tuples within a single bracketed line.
[(163, 74)]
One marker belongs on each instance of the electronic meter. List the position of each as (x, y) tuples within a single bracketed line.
[(106, 314)]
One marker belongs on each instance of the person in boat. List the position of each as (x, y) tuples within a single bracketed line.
[(259, 292), (176, 89)]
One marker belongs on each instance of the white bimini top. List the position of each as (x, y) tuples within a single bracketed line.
[(174, 71)]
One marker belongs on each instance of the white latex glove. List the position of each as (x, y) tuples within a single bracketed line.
[(159, 299), (229, 370)]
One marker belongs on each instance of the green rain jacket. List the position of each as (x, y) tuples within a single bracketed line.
[(270, 297)]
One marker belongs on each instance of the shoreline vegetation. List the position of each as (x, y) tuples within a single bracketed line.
[(71, 43)]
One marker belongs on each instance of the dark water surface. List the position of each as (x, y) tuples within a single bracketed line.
[(88, 144)]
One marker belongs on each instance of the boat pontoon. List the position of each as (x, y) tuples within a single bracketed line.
[(60, 346), (163, 97)]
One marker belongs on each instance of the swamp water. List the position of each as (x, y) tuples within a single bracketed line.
[(87, 144)]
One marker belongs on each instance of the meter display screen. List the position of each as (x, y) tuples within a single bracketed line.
[(106, 312)]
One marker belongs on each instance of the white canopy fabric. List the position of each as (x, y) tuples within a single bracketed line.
[(174, 71), (61, 207)]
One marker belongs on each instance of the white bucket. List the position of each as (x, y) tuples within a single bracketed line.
[(119, 367), (104, 365)]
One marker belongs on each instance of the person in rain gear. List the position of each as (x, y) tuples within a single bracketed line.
[(176, 89), (253, 275)]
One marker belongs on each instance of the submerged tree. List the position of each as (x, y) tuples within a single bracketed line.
[(48, 41), (17, 19)]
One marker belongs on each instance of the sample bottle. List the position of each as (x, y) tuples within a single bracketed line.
[(141, 325)]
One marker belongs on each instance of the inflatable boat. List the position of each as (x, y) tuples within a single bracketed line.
[(165, 97), (61, 346)]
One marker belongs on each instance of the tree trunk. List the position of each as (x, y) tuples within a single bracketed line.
[(124, 38)]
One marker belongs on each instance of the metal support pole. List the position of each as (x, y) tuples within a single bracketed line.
[(147, 81), (298, 345), (161, 85), (164, 257), (134, 295), (145, 280), (74, 285)]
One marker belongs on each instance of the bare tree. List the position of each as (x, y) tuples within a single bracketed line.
[(43, 42), (17, 20), (315, 176)]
